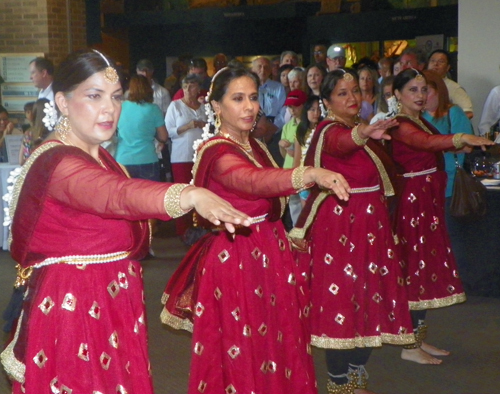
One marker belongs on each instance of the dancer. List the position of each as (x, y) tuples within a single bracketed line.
[(243, 296)]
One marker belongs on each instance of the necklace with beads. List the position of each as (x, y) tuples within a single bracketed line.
[(245, 145)]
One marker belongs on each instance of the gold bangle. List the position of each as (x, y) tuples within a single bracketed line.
[(298, 178), (172, 200), (457, 140), (356, 138)]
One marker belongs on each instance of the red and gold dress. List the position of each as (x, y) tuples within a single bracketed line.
[(242, 296), (357, 289), (429, 265), (80, 228)]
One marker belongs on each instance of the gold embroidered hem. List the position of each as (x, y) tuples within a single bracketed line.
[(172, 200), (437, 303), (14, 368), (175, 322), (457, 140), (356, 138), (351, 343)]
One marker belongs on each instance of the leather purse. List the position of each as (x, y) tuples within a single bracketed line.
[(468, 200)]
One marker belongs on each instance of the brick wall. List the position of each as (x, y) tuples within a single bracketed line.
[(42, 26)]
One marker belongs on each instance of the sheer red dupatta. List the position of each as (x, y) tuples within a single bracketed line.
[(374, 149), (33, 193), (181, 292)]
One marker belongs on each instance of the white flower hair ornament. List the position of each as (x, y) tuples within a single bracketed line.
[(51, 117), (7, 197), (392, 104)]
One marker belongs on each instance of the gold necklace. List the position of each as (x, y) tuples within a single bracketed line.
[(245, 145)]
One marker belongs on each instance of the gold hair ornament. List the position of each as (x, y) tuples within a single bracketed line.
[(419, 77), (347, 76), (110, 74)]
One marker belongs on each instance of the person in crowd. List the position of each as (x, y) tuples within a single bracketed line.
[(220, 61), (34, 136), (439, 62), (319, 55), (396, 68), (284, 70), (141, 124), (79, 225), (297, 79), (28, 115), (383, 105), (289, 57), (491, 112), (430, 269), (197, 66), (384, 68), (368, 84), (161, 96), (173, 81), (357, 289), (6, 128), (185, 120), (275, 68), (412, 58), (242, 296), (335, 57), (42, 74), (315, 74)]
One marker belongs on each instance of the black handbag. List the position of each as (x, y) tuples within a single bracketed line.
[(468, 200)]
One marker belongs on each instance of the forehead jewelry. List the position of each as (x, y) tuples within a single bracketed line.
[(110, 74), (347, 76), (419, 77)]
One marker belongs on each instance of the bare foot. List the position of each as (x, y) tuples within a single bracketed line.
[(419, 356), (433, 351), (363, 391)]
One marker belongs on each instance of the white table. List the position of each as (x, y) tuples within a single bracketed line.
[(5, 170)]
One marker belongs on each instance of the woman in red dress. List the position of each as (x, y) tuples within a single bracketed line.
[(79, 227), (243, 296), (357, 290), (429, 264)]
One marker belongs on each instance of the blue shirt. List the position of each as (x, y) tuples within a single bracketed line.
[(136, 133), (458, 123), (272, 96)]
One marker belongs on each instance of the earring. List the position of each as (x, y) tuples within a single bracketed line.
[(330, 114), (62, 128), (399, 107), (217, 123)]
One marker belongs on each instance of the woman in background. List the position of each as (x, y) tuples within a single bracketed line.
[(368, 84), (140, 124), (315, 74), (34, 136)]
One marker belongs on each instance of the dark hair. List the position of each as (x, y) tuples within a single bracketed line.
[(191, 78), (440, 51), (3, 109), (28, 106), (42, 63), (331, 80), (304, 124), (403, 78), (198, 62), (39, 130), (222, 80), (145, 64), (140, 91), (76, 68), (285, 67)]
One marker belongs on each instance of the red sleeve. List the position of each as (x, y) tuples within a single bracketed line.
[(90, 188), (338, 142), (246, 180), (412, 135)]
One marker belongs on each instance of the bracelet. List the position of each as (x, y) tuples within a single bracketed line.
[(457, 140), (298, 178), (356, 138), (172, 200)]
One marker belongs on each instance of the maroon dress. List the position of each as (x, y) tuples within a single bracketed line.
[(429, 264), (82, 228), (242, 295), (357, 288)]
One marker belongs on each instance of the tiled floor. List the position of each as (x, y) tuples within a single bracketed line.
[(471, 331)]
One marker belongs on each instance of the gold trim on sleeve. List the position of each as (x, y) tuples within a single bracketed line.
[(298, 178), (457, 140), (356, 138), (172, 200)]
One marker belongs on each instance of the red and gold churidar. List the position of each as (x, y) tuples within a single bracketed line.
[(83, 228), (242, 296), (429, 264), (357, 289)]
